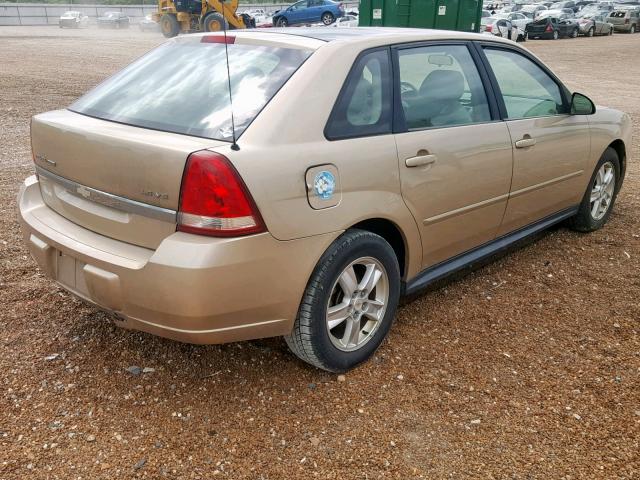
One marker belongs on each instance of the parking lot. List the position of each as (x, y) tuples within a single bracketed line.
[(527, 368)]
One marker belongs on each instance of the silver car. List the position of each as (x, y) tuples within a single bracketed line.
[(590, 25)]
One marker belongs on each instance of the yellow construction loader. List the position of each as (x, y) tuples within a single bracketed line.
[(184, 16)]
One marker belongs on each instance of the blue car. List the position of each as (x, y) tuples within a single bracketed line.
[(309, 11)]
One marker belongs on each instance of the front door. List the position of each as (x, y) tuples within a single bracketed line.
[(455, 160), (297, 12), (551, 147)]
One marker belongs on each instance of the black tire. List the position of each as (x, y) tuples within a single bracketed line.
[(310, 338), (214, 22), (327, 18), (574, 33), (169, 25), (632, 29), (556, 35), (610, 31), (591, 32), (584, 221), (282, 22)]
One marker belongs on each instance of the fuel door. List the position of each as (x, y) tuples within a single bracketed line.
[(323, 186)]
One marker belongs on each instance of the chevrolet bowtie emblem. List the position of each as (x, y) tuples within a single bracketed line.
[(84, 191)]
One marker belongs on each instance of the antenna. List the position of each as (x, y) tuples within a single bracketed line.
[(234, 144)]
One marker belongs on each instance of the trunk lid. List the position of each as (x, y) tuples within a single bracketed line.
[(539, 26), (116, 180)]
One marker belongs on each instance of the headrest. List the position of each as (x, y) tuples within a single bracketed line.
[(443, 85)]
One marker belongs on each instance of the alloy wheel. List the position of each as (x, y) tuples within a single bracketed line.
[(357, 304), (602, 190)]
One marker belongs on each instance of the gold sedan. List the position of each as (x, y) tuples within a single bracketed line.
[(332, 172)]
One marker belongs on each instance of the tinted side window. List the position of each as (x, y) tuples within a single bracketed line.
[(527, 90), (440, 86), (364, 104)]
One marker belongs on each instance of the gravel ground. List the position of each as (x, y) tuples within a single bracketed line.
[(527, 368)]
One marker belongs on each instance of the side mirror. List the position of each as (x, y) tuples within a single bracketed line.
[(582, 105)]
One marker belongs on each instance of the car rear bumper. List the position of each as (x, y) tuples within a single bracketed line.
[(543, 35), (191, 288)]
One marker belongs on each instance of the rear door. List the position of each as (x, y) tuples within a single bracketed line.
[(311, 14), (551, 147), (455, 157)]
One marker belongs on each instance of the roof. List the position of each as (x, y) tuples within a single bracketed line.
[(391, 35), (328, 34), (361, 37)]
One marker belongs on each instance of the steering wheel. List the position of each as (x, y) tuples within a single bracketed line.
[(407, 89)]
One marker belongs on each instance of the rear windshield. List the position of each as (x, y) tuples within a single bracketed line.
[(182, 87)]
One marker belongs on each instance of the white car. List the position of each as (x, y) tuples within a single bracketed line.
[(534, 10), (73, 19), (259, 15), (516, 18), (348, 21), (501, 27)]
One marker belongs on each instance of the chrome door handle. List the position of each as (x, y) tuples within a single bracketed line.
[(420, 160), (526, 142)]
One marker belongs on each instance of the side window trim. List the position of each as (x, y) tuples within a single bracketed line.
[(344, 90), (399, 123), (480, 46)]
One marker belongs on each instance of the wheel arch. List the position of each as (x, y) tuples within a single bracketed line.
[(393, 234), (621, 149)]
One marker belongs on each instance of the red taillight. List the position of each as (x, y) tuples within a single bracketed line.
[(549, 28), (214, 200), (488, 28), (626, 21), (229, 39)]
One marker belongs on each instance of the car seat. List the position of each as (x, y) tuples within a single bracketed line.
[(440, 95)]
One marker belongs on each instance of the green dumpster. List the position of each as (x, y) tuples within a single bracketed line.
[(461, 15)]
